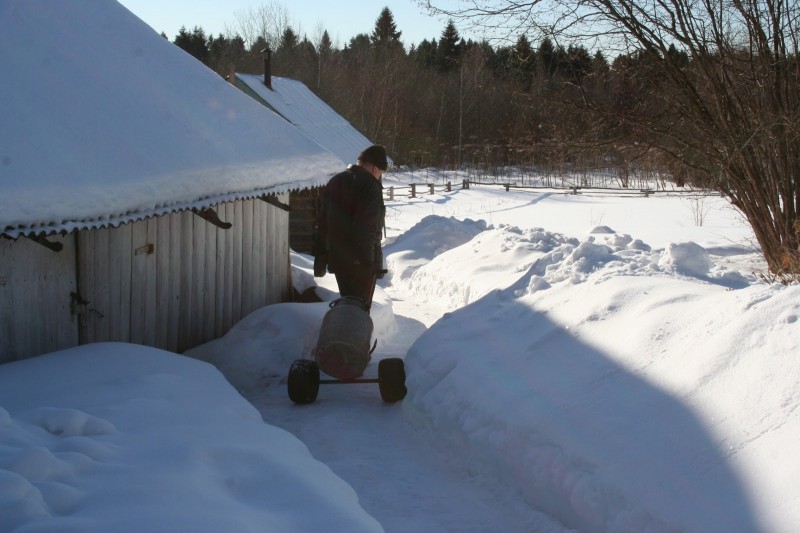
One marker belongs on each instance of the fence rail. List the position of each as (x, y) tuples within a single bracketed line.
[(416, 189)]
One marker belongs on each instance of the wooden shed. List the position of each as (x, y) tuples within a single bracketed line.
[(145, 199), (172, 281)]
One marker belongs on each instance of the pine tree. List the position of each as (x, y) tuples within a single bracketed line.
[(325, 48), (579, 63), (448, 52), (547, 55), (425, 53), (194, 43), (600, 68), (289, 40), (385, 32), (358, 51), (522, 61)]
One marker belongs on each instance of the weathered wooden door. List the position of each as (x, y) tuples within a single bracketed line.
[(37, 286)]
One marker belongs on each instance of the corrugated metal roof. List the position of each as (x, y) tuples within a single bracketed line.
[(310, 114), (104, 122)]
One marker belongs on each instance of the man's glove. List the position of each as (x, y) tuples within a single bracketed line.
[(378, 253), (320, 266)]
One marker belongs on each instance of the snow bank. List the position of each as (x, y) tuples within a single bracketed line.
[(261, 347), (126, 438), (599, 387)]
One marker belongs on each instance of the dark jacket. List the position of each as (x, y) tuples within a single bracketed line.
[(350, 220)]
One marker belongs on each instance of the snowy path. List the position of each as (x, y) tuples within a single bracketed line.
[(401, 477)]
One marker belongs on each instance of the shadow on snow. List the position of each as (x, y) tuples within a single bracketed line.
[(580, 437)]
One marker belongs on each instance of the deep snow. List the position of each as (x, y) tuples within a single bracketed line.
[(586, 362)]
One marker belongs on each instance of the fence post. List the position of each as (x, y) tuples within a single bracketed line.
[(413, 190), (465, 184), (430, 188), (391, 193), (449, 188), (507, 186)]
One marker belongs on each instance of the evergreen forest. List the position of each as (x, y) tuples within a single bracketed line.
[(454, 103)]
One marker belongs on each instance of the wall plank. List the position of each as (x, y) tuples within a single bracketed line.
[(150, 311), (220, 274), (120, 263), (248, 268), (173, 275), (97, 293), (261, 213), (236, 265), (8, 341), (184, 280), (138, 282), (209, 283), (232, 267), (163, 292), (198, 252)]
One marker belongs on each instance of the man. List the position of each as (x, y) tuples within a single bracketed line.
[(349, 224)]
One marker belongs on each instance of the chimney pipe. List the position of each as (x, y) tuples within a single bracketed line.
[(267, 67)]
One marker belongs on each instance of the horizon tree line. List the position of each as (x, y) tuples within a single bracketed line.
[(446, 102), (699, 94)]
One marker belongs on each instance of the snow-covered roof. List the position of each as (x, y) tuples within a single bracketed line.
[(299, 105), (104, 121)]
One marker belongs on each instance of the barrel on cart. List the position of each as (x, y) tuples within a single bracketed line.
[(343, 345), (343, 353)]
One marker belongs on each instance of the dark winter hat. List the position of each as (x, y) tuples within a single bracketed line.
[(375, 155)]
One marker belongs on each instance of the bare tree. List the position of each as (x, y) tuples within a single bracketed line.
[(724, 92), (268, 20)]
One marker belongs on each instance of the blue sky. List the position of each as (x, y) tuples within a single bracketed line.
[(342, 19)]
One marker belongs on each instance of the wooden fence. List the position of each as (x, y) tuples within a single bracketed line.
[(414, 190)]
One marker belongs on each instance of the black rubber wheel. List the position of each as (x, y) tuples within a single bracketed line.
[(303, 382), (392, 379)]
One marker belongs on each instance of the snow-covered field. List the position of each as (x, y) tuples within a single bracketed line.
[(575, 362)]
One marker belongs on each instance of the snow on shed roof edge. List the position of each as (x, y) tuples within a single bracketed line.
[(96, 135)]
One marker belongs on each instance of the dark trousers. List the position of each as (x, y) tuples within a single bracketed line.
[(357, 281)]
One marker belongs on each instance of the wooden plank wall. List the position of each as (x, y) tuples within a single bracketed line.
[(35, 288), (186, 280)]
